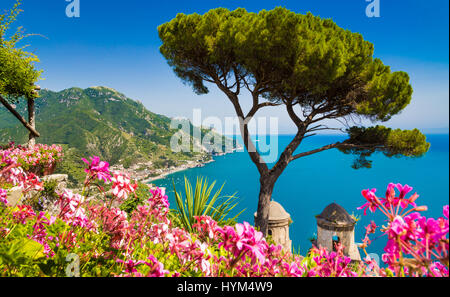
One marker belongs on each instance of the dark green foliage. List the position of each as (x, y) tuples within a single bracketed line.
[(141, 194), (363, 142), (296, 60), (287, 57)]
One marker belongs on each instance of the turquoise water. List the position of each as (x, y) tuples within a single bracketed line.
[(309, 184)]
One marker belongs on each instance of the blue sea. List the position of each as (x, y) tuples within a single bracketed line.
[(311, 183)]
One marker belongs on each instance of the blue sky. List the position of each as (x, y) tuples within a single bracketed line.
[(115, 44)]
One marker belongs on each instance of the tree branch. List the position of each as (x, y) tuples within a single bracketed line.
[(238, 81), (294, 117), (254, 109), (324, 148), (286, 155), (243, 123), (336, 145), (19, 117)]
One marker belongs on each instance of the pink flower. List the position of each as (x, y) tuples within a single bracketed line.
[(244, 240), (3, 196), (98, 168), (71, 210), (411, 236), (206, 226), (430, 230), (159, 198), (33, 182), (334, 264), (293, 269), (370, 229), (403, 190), (122, 186), (114, 222), (156, 267), (130, 265), (372, 201), (23, 214), (398, 227), (40, 233)]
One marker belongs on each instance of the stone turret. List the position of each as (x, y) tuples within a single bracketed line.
[(278, 228), (334, 225)]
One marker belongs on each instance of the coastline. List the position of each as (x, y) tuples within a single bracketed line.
[(172, 170), (189, 165)]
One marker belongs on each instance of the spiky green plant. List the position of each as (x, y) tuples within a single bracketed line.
[(200, 201)]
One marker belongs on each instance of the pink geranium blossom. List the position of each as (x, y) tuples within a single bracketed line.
[(205, 226), (72, 210), (98, 169), (243, 240), (3, 196), (416, 245), (372, 201), (122, 186)]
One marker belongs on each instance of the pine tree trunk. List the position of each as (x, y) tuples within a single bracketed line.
[(32, 122), (265, 196)]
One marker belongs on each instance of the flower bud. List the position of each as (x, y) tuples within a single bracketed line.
[(421, 208)]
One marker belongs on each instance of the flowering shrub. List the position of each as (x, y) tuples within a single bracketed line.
[(16, 176), (417, 246), (39, 159), (335, 263), (110, 242)]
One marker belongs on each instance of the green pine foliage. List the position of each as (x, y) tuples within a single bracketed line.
[(363, 142), (296, 60)]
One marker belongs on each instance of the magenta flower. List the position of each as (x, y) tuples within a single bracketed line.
[(331, 264), (156, 267), (3, 196), (205, 226), (130, 265), (23, 214), (415, 243), (403, 190), (430, 230), (98, 168), (159, 198), (293, 269), (373, 203), (398, 227), (243, 240)]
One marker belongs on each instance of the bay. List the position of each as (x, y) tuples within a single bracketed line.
[(311, 183)]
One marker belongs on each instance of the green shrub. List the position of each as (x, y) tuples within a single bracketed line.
[(201, 201)]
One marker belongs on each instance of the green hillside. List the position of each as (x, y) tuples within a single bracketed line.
[(101, 121)]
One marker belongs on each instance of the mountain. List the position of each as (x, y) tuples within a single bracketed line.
[(101, 121)]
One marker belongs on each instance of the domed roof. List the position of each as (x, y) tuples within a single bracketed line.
[(277, 212), (335, 215)]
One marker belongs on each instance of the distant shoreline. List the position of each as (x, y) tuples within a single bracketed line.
[(184, 167), (175, 170)]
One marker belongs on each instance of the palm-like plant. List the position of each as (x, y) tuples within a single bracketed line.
[(201, 201)]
